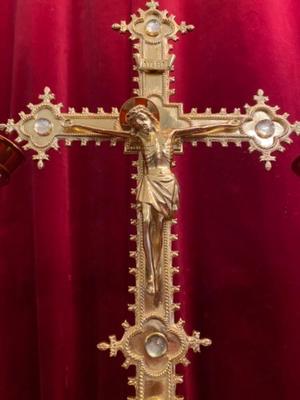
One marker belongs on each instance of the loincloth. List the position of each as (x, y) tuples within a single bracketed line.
[(161, 191)]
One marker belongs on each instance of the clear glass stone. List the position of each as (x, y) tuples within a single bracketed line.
[(153, 27), (43, 126), (156, 345), (265, 128)]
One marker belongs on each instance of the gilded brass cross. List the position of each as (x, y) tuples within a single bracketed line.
[(154, 128)]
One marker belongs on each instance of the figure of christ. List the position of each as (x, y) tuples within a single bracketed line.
[(158, 189)]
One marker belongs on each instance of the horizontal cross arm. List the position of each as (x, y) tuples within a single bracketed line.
[(261, 126), (45, 125)]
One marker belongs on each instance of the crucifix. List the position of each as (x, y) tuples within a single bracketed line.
[(154, 129)]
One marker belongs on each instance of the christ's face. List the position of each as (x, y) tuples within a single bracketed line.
[(142, 122)]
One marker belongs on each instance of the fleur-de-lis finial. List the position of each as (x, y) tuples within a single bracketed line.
[(196, 342), (260, 98), (152, 4), (48, 96), (114, 346)]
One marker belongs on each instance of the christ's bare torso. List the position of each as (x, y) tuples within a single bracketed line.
[(157, 149)]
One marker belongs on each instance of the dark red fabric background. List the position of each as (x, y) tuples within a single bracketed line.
[(64, 230)]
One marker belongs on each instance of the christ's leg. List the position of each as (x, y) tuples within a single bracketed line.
[(148, 247), (157, 241)]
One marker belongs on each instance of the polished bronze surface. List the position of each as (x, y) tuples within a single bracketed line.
[(158, 190), (154, 128)]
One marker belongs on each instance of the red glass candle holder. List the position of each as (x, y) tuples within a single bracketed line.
[(11, 157)]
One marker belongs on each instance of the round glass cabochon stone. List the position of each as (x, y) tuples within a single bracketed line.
[(265, 128), (153, 27), (42, 126), (156, 345)]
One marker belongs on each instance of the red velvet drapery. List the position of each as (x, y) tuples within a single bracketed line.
[(64, 230)]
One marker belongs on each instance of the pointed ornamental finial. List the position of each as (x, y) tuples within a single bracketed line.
[(260, 98), (152, 4), (297, 128), (195, 342), (48, 96)]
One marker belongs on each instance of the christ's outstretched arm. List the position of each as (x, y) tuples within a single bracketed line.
[(81, 129), (206, 130)]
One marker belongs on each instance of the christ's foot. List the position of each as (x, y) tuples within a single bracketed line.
[(150, 286)]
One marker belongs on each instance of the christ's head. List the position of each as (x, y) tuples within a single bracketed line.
[(141, 120)]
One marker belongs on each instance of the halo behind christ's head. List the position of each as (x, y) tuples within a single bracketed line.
[(133, 102)]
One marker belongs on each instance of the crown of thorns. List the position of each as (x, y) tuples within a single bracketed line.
[(134, 106), (140, 109)]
